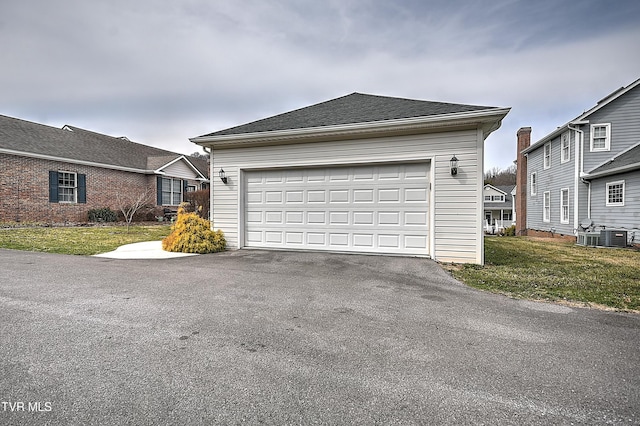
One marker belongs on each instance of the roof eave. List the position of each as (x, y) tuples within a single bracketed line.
[(609, 172), (489, 119), (74, 161)]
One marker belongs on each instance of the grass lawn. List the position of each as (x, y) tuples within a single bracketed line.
[(79, 240), (547, 269)]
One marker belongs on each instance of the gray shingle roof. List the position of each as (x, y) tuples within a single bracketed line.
[(81, 145), (350, 109), (627, 160)]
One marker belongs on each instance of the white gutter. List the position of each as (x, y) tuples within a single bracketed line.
[(579, 167), (210, 152)]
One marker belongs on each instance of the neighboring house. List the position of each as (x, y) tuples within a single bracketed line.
[(360, 173), (498, 207), (587, 171), (57, 175)]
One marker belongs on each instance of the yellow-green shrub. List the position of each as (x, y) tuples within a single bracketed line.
[(192, 234)]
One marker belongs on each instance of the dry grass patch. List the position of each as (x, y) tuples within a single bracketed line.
[(549, 269)]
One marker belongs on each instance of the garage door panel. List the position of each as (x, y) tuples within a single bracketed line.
[(382, 208)]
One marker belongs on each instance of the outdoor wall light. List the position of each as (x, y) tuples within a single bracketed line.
[(454, 165), (223, 176)]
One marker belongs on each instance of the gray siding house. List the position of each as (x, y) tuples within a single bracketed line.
[(587, 171), (360, 173)]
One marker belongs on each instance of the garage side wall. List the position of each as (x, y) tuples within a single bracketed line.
[(456, 200)]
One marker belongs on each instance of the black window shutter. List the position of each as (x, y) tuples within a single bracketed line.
[(159, 187), (53, 186), (82, 188), (185, 183)]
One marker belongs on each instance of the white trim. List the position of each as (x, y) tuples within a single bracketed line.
[(546, 164), (606, 193), (533, 185), (565, 138), (607, 138), (564, 219), (175, 160), (581, 120), (546, 206), (491, 116), (75, 187)]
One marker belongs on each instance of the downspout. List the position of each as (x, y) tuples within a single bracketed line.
[(210, 152), (579, 167)]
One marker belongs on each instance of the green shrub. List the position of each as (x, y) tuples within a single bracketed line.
[(510, 231), (192, 234), (102, 215)]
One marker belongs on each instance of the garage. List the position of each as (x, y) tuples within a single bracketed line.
[(366, 208), (357, 174)]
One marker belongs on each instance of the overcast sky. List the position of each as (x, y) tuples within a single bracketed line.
[(160, 72)]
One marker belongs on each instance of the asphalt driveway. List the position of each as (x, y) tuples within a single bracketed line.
[(298, 338)]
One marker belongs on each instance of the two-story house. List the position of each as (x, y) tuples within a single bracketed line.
[(498, 207), (586, 173)]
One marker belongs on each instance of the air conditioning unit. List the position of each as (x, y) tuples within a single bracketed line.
[(613, 238), (588, 239)]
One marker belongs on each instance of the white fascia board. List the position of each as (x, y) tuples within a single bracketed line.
[(474, 118), (73, 161), (175, 160)]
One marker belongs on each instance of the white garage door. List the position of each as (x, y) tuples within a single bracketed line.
[(376, 209)]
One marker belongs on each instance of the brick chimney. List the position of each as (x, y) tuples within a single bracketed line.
[(524, 140)]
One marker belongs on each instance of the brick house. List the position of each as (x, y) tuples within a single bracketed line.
[(56, 175)]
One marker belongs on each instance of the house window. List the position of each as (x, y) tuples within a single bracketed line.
[(171, 191), (600, 137), (507, 216), (546, 207), (547, 155), (67, 187), (565, 150), (534, 183), (487, 197), (191, 188), (564, 205), (615, 193)]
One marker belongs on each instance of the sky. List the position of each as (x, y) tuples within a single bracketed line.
[(161, 72)]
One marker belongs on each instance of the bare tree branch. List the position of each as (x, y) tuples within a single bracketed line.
[(130, 204)]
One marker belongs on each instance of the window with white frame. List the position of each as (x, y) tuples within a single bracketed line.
[(534, 183), (171, 191), (565, 149), (546, 207), (67, 187), (615, 193), (564, 205), (600, 137), (547, 155)]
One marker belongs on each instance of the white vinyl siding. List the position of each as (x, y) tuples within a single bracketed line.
[(456, 213), (615, 193), (180, 169), (546, 207), (547, 155), (564, 205), (600, 137)]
